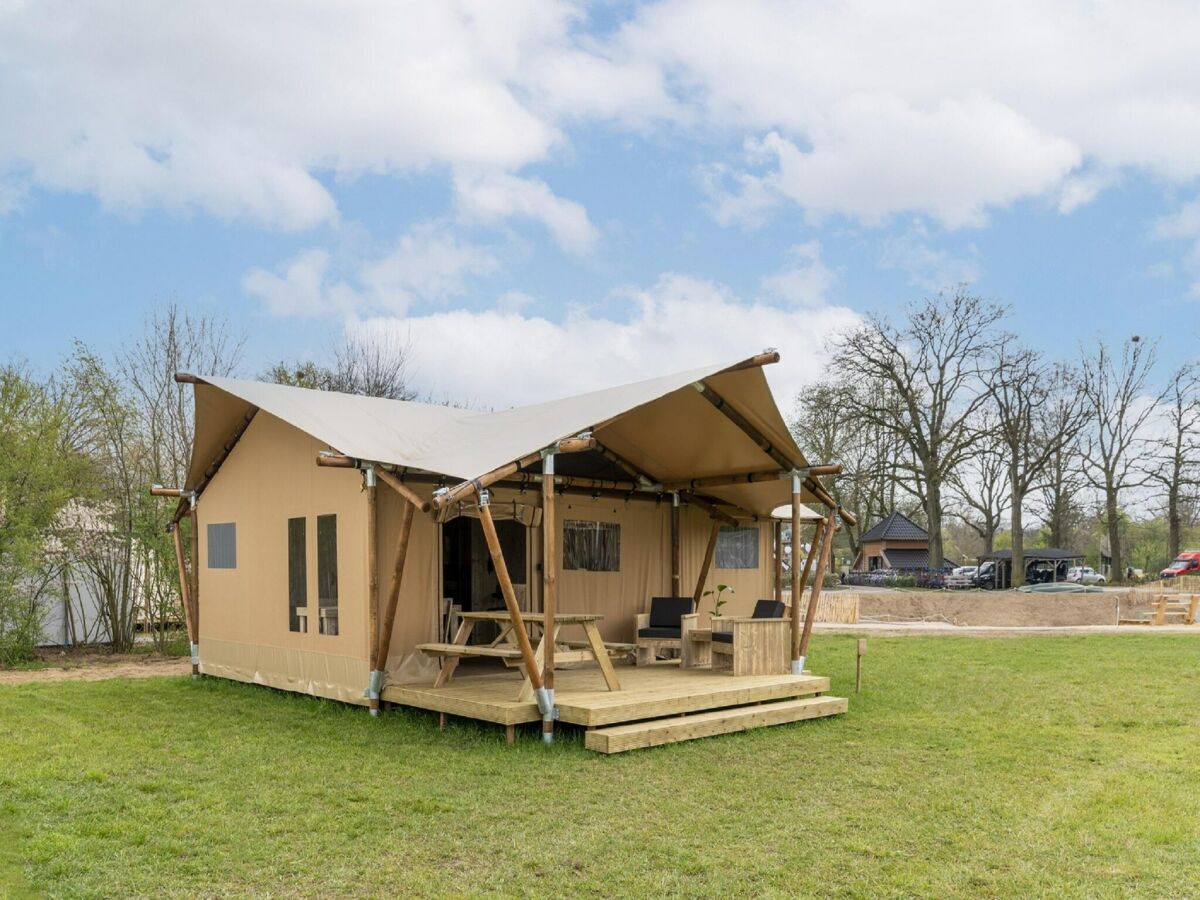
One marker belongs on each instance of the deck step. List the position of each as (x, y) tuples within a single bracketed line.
[(619, 738)]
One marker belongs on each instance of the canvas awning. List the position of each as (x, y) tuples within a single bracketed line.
[(663, 425)]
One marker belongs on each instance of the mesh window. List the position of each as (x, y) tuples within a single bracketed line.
[(297, 572), (591, 546), (222, 546), (327, 574), (737, 548)]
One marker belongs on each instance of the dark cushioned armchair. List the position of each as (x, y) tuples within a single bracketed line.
[(664, 627)]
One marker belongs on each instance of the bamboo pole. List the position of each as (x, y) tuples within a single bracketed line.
[(549, 589), (712, 510), (389, 613), (706, 566), (184, 594), (370, 487), (510, 601), (195, 582), (818, 582), (759, 360), (676, 581), (465, 489), (735, 478), (777, 544), (775, 453), (185, 503), (621, 462)]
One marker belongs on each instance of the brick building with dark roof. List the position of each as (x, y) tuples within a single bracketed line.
[(895, 542)]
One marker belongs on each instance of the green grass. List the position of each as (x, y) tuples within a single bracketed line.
[(1016, 767)]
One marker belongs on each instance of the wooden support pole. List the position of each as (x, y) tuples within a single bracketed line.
[(195, 573), (389, 613), (797, 578), (157, 490), (403, 490), (776, 454), (466, 488), (712, 510), (766, 358), (818, 582), (621, 462), (549, 586), (676, 582), (735, 478), (709, 552), (777, 545), (369, 486), (184, 594), (862, 651), (184, 502), (510, 596)]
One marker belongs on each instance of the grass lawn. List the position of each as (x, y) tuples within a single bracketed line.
[(1015, 767)]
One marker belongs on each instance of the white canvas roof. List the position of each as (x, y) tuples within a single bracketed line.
[(662, 425)]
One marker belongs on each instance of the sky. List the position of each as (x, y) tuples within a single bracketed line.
[(547, 197)]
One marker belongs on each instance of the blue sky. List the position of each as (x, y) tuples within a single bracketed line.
[(549, 196)]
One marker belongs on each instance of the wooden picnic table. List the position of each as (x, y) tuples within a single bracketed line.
[(505, 645)]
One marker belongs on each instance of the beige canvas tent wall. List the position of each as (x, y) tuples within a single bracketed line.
[(255, 468)]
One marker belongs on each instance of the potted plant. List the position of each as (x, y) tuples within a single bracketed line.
[(720, 598)]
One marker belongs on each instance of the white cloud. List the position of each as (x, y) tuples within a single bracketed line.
[(926, 266), (427, 264), (870, 110), (251, 111), (1184, 225), (506, 358), (494, 196), (805, 281), (241, 110)]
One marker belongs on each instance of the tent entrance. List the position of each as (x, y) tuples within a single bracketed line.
[(468, 575)]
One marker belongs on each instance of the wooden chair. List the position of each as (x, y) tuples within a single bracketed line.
[(664, 628), (757, 644)]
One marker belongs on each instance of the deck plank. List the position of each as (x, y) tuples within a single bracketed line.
[(620, 738)]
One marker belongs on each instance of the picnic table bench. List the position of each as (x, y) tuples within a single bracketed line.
[(504, 646)]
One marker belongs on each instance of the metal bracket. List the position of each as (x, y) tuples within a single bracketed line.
[(798, 666), (484, 496), (368, 472)]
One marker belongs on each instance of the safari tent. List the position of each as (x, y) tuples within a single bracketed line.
[(347, 547)]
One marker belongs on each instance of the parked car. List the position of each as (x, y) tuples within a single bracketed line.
[(985, 576), (1186, 563), (1084, 575), (962, 577)]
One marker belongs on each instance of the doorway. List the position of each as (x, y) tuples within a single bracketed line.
[(469, 579)]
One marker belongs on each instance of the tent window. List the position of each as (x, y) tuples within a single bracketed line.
[(591, 546), (327, 575), (222, 546), (297, 575), (737, 548)]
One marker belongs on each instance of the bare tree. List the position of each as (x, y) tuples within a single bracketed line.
[(1177, 468), (826, 428), (172, 340), (1059, 495), (373, 364), (980, 485), (1039, 410), (1120, 404), (934, 368)]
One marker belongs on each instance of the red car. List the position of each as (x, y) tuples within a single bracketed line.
[(1186, 563)]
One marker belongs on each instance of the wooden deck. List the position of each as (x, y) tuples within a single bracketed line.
[(649, 693)]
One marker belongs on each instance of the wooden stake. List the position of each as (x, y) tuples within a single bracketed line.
[(705, 566), (862, 651), (389, 613), (818, 581), (510, 596)]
